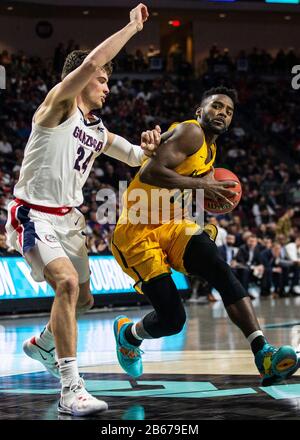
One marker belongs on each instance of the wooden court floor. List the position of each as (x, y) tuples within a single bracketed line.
[(204, 373)]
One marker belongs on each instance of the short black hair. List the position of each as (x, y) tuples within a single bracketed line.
[(76, 58), (221, 90)]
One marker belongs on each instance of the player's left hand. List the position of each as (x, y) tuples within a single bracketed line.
[(139, 15), (150, 140)]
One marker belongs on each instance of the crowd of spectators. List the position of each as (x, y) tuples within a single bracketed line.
[(262, 148), (256, 61), (268, 259), (219, 61)]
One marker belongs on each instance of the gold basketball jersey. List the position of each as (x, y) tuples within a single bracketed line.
[(149, 202)]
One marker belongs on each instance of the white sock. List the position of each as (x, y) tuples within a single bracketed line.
[(68, 369), (254, 335), (133, 331), (45, 339)]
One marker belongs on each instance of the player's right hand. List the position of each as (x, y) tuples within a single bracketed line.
[(139, 15), (216, 190), (150, 141)]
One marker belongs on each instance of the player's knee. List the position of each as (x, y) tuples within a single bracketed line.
[(68, 285), (174, 324), (201, 255)]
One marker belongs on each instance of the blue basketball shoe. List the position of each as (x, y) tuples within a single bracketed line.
[(129, 356), (276, 364)]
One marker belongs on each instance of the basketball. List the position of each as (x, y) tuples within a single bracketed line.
[(219, 207)]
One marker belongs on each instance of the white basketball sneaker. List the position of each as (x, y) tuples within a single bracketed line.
[(46, 357), (77, 401)]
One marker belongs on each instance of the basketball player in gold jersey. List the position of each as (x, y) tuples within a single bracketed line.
[(146, 252)]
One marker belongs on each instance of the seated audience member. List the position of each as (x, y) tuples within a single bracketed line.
[(276, 271), (292, 250), (249, 266), (228, 251)]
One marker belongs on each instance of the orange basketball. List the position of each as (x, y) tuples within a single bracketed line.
[(219, 207)]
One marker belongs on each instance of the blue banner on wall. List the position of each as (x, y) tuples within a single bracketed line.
[(106, 278)]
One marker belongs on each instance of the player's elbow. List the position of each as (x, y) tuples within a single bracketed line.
[(90, 65)]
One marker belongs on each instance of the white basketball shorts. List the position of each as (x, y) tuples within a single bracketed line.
[(51, 236)]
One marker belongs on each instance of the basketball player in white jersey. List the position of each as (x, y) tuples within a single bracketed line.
[(43, 222)]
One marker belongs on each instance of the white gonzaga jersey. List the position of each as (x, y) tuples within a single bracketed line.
[(57, 161)]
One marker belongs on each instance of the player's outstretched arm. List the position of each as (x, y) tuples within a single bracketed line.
[(176, 146), (75, 82), (133, 155)]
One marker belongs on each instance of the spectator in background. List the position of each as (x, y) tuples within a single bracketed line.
[(110, 177), (295, 194), (5, 145), (266, 243), (3, 246), (282, 240), (249, 268), (236, 229), (262, 211), (276, 271), (41, 85), (293, 254), (96, 245), (6, 58), (229, 251), (242, 63), (152, 52), (175, 57), (139, 61), (245, 236), (155, 61), (239, 132), (284, 224), (3, 217)]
